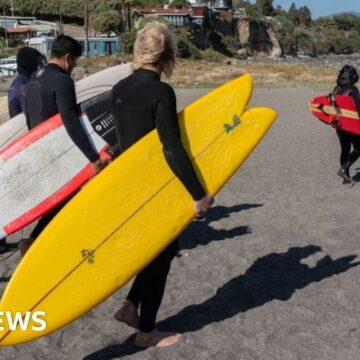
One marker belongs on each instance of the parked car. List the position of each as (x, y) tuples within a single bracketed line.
[(8, 66)]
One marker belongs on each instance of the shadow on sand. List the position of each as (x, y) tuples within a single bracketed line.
[(356, 177), (200, 232), (115, 351), (274, 276)]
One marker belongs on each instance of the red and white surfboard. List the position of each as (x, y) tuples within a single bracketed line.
[(41, 169), (337, 110)]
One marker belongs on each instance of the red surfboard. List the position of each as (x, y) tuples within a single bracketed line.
[(338, 111)]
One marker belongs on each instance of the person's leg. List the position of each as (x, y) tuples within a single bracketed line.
[(152, 292), (44, 221), (355, 154), (345, 143), (25, 244), (128, 312)]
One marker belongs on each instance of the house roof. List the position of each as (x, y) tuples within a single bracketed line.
[(162, 11), (20, 30)]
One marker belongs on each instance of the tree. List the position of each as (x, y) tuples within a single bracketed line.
[(279, 10), (304, 15), (265, 7), (294, 14), (179, 3), (252, 12), (107, 21), (240, 4)]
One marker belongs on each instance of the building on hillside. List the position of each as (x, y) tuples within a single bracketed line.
[(201, 15), (175, 16), (195, 15), (213, 4), (43, 28), (18, 33), (96, 46)]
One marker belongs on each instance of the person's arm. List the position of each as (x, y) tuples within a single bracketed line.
[(170, 137), (22, 98), (66, 103)]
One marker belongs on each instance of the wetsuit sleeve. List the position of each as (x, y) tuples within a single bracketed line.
[(66, 103), (170, 137)]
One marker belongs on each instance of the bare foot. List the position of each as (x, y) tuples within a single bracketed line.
[(156, 338), (128, 314)]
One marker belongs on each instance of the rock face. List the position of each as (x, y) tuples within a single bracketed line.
[(276, 51), (257, 39)]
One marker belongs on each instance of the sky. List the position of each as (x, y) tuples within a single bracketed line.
[(322, 7)]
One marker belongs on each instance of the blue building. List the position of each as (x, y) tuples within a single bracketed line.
[(96, 46)]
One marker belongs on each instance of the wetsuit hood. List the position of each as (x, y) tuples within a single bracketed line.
[(28, 60), (347, 76)]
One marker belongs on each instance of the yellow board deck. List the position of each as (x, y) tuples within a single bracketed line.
[(128, 213)]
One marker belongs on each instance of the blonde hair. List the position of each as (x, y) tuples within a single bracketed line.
[(155, 45)]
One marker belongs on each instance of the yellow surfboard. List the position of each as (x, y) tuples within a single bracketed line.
[(127, 215)]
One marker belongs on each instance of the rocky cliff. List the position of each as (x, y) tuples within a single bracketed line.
[(257, 38)]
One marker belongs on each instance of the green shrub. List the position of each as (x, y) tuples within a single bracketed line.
[(283, 25), (3, 52), (128, 38), (288, 44), (305, 42), (212, 55), (340, 43), (15, 43), (186, 49), (128, 41), (354, 39)]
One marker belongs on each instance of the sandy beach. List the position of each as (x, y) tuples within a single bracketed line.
[(272, 272)]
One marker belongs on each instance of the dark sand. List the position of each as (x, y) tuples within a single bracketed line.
[(271, 274)]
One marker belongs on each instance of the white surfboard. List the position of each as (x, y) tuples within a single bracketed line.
[(41, 169)]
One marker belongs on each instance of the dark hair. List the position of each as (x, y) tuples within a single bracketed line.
[(28, 60), (347, 75), (63, 45)]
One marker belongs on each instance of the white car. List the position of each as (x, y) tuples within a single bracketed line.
[(8, 66)]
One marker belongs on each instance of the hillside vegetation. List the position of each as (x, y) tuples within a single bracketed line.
[(295, 30)]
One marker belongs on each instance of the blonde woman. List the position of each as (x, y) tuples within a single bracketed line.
[(141, 103)]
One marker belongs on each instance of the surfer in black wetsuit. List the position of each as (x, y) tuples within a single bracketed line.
[(141, 103), (346, 81), (28, 60), (51, 90)]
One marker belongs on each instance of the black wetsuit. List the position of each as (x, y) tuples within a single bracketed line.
[(48, 92), (348, 157), (51, 91), (141, 103)]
